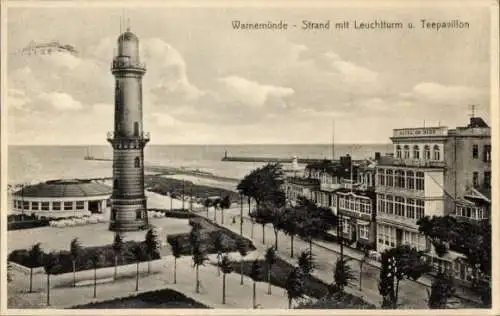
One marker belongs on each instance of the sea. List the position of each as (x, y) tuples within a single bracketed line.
[(33, 164)]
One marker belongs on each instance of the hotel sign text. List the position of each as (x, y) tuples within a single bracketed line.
[(419, 132)]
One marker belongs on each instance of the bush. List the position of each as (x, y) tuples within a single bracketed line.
[(26, 224)]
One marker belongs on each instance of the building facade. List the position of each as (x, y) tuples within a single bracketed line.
[(434, 171)]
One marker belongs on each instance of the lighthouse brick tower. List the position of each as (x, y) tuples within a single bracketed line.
[(128, 201)]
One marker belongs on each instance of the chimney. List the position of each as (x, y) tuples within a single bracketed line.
[(377, 156)]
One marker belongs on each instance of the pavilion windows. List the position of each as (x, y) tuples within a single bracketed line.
[(68, 206), (419, 181), (45, 206), (389, 178), (56, 206), (80, 205), (410, 180), (381, 177)]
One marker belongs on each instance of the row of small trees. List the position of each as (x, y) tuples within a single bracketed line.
[(146, 251), (218, 204)]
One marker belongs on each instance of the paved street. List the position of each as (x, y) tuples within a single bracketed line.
[(411, 294)]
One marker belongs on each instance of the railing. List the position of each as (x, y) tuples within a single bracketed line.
[(416, 163), (142, 136), (402, 220), (123, 62)]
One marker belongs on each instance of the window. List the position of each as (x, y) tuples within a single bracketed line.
[(26, 205), (381, 203), (389, 178), (113, 215), (68, 206), (364, 231), (389, 204), (15, 204), (398, 152), (136, 129), (407, 152), (436, 152), (419, 210), (56, 206), (410, 180), (115, 183), (427, 152), (475, 151), (416, 152), (381, 177), (399, 206), (45, 206), (419, 181), (410, 208), (35, 206), (487, 153), (487, 179), (137, 162), (400, 179), (475, 179), (138, 214), (80, 205), (346, 226)]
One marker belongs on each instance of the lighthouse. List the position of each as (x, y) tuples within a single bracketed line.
[(128, 201)]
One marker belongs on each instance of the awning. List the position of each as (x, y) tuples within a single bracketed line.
[(363, 223)]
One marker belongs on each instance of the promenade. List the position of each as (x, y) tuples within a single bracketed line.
[(411, 294)]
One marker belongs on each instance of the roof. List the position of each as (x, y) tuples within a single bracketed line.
[(303, 181), (128, 36), (477, 122), (367, 193), (65, 188)]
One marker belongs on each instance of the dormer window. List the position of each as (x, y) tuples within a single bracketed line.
[(407, 152), (398, 152), (436, 153)]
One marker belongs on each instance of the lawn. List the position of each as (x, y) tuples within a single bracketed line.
[(165, 298), (313, 287)]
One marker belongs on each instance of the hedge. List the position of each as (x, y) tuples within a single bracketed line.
[(209, 234), (83, 263), (28, 224), (164, 298)]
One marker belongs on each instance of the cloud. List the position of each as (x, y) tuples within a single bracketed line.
[(60, 101), (252, 93), (436, 93), (17, 99)]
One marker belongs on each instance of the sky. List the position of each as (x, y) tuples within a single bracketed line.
[(209, 84)]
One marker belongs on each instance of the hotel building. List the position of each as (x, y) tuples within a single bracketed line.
[(434, 171)]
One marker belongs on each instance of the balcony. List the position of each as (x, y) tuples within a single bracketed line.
[(397, 220), (114, 136), (419, 163), (354, 214), (416, 194), (123, 63)]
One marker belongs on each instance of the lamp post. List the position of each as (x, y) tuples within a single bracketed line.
[(241, 214), (183, 194)]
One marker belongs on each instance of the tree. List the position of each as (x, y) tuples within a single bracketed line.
[(153, 246), (35, 259), (216, 204), (9, 272), (75, 250), (225, 204), (291, 226), (441, 290), (278, 222), (242, 247), (195, 236), (220, 245), (50, 261), (139, 255), (361, 263), (226, 267), (199, 258), (271, 258), (207, 203), (306, 262), (396, 264), (95, 257), (176, 252), (343, 273), (263, 184), (256, 275), (117, 251), (294, 285), (262, 215)]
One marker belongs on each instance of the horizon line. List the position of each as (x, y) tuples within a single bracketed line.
[(228, 144)]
